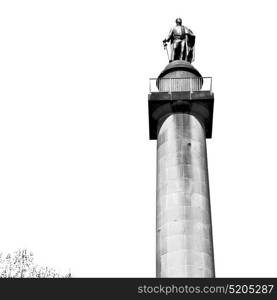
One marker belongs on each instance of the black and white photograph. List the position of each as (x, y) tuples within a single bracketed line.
[(138, 143)]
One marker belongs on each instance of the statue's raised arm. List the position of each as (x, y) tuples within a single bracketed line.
[(182, 41)]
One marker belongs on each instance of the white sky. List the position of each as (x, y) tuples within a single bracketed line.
[(77, 171)]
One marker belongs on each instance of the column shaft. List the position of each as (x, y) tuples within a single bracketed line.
[(184, 230)]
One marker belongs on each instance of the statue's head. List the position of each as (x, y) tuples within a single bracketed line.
[(178, 21)]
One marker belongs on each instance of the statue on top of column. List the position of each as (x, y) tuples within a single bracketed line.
[(182, 41)]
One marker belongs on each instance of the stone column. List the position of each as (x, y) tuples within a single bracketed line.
[(184, 229)]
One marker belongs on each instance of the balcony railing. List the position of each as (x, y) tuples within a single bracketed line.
[(185, 84)]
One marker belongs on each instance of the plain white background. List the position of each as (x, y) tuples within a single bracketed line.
[(77, 170)]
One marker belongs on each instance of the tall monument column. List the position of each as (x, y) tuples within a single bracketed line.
[(180, 118), (184, 233)]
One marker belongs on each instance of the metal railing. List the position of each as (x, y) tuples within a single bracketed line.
[(184, 84)]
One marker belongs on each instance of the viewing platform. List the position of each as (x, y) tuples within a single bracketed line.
[(190, 84), (192, 95)]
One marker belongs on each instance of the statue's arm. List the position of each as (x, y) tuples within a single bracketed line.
[(169, 36)]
